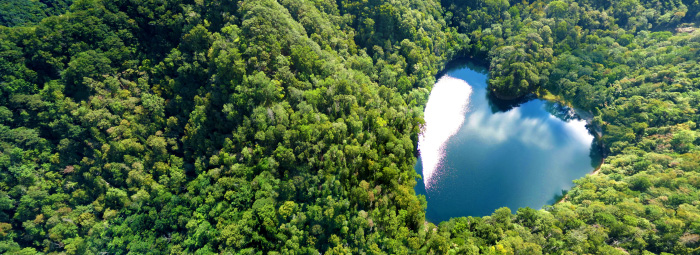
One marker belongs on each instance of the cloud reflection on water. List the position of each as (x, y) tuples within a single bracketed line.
[(448, 113), (479, 153), (500, 127)]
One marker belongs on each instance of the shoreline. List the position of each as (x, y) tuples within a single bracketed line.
[(596, 171), (594, 130)]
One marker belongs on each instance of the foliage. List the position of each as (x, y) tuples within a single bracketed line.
[(290, 126), (26, 12), (193, 127)]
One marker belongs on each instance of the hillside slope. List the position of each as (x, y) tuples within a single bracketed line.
[(289, 126)]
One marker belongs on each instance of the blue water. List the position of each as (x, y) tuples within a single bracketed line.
[(505, 154)]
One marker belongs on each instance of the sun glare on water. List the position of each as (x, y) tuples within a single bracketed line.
[(444, 116)]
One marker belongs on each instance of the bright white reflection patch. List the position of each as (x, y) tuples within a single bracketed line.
[(444, 115), (577, 129)]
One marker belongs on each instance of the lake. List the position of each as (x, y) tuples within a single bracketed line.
[(479, 153)]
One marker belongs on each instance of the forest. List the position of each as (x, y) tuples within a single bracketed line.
[(290, 126)]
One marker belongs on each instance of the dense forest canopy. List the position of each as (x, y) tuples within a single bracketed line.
[(290, 126), (26, 12)]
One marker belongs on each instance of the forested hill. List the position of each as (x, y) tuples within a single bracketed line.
[(289, 126), (217, 126)]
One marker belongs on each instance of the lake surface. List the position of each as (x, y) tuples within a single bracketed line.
[(478, 153)]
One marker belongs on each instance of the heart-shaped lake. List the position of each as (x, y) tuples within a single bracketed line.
[(478, 153)]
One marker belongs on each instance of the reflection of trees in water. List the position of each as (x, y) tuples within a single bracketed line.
[(461, 63), (596, 153), (557, 197), (560, 111), (500, 105)]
